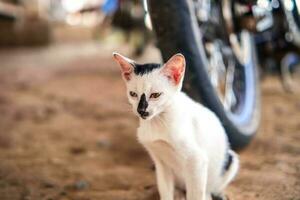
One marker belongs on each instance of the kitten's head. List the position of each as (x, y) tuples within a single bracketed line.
[(150, 87)]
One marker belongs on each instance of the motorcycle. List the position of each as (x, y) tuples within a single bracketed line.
[(221, 40)]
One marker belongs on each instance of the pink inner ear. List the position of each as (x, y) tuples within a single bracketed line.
[(127, 76), (126, 67), (174, 73), (174, 68), (127, 70), (177, 76)]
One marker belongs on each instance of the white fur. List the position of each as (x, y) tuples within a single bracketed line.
[(185, 140)]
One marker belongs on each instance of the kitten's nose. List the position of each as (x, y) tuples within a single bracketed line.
[(143, 104), (143, 113)]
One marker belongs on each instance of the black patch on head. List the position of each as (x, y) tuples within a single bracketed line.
[(141, 69)]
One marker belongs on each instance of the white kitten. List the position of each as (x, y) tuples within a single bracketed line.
[(185, 140)]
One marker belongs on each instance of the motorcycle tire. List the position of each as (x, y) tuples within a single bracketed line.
[(176, 29)]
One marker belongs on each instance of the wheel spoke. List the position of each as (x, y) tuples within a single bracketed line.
[(229, 96)]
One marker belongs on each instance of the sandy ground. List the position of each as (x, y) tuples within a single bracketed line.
[(67, 133)]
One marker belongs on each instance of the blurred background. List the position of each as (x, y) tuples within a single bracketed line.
[(66, 130)]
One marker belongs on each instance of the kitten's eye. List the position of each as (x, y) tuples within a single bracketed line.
[(155, 95), (133, 94)]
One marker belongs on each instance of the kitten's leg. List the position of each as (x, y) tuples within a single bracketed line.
[(165, 182), (196, 177), (164, 178)]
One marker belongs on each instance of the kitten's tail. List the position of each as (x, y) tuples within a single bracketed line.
[(231, 169)]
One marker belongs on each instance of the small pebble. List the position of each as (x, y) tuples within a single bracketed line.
[(148, 187), (104, 144), (77, 150), (63, 193), (81, 185), (48, 185)]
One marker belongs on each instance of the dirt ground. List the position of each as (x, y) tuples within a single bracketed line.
[(67, 133)]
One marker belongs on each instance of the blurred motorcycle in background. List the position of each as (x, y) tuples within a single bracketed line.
[(225, 42), (128, 16)]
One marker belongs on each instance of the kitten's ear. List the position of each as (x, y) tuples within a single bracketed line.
[(174, 68), (126, 65)]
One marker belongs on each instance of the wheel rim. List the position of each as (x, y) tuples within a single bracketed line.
[(231, 58)]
